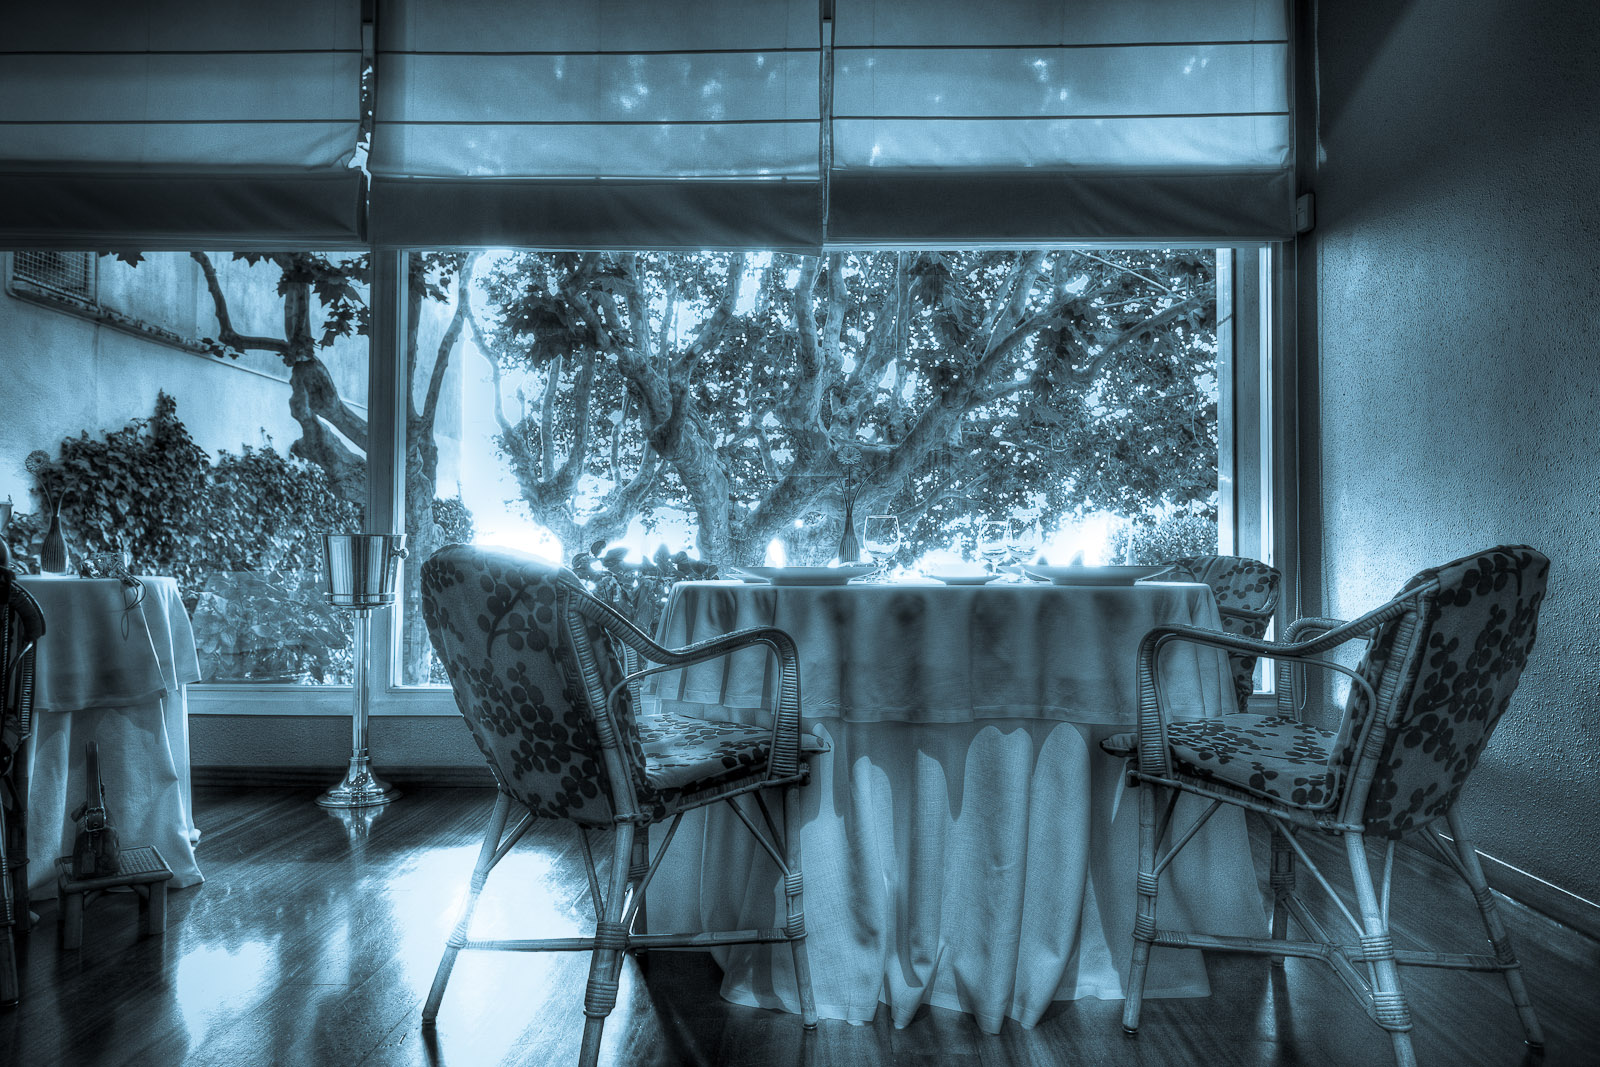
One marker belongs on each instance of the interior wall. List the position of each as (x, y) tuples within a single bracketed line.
[(1451, 296)]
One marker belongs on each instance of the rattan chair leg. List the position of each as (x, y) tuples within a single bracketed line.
[(1282, 882), (458, 936), (610, 943), (1499, 937), (1144, 923), (638, 867), (10, 987), (1388, 1005), (795, 926)]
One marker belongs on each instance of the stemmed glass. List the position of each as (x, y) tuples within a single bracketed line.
[(880, 538), (993, 542), (1026, 540)]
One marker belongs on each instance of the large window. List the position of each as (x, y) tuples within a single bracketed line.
[(207, 416), (1111, 405), (732, 406)]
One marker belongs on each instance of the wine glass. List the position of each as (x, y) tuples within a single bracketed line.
[(993, 538), (1024, 544), (880, 537)]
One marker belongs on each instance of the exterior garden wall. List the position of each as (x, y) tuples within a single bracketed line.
[(66, 373)]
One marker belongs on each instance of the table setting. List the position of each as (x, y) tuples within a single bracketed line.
[(966, 843)]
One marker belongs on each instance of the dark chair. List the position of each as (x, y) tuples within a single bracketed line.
[(547, 679), (1442, 661), (21, 626), (1247, 596)]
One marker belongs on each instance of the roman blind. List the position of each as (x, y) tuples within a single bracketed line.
[(1086, 119), (783, 124), (180, 124), (608, 123), (725, 123)]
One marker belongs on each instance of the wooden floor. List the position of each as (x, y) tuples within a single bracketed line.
[(315, 937)]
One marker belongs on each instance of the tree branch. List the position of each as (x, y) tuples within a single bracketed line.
[(447, 343), (225, 331)]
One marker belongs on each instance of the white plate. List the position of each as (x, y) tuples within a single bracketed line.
[(1090, 575), (964, 579), (810, 575)]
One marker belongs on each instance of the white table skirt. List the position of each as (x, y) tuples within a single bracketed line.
[(984, 865), (119, 678)]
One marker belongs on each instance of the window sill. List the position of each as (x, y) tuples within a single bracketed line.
[(314, 700)]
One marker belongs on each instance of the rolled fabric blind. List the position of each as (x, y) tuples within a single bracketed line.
[(614, 123), (180, 124), (1041, 118)]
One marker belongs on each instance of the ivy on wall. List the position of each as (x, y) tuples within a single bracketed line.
[(242, 534)]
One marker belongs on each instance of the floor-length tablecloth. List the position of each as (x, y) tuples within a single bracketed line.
[(113, 672), (965, 842)]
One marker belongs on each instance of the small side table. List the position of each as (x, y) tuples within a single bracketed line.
[(142, 869)]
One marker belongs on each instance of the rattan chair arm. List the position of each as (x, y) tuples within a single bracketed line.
[(1150, 718), (1291, 673), (785, 716), (1292, 632)]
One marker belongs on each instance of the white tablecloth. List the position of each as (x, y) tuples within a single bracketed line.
[(965, 842), (117, 676)]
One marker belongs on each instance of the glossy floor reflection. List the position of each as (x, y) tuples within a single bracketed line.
[(316, 934)]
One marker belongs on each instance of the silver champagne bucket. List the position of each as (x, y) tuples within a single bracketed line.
[(363, 569)]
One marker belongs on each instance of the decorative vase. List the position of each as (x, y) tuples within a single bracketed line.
[(849, 547), (53, 549)]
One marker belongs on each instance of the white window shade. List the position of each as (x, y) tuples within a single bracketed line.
[(673, 124), (177, 123), (1157, 119), (619, 123)]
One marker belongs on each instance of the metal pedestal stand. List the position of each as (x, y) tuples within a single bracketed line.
[(361, 578)]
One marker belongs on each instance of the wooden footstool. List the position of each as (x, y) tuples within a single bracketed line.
[(142, 869)]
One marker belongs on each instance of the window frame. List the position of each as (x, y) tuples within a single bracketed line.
[(1255, 491)]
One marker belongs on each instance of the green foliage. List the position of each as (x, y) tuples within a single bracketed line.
[(948, 386), (243, 536), (638, 590), (1175, 537), (454, 521)]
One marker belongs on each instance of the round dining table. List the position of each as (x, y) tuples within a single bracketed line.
[(965, 842), (113, 668)]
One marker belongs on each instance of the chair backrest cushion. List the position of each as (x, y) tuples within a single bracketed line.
[(530, 674), (1247, 593), (1444, 671)]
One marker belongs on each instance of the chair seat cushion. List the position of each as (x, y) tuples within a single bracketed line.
[(1270, 756), (683, 754)]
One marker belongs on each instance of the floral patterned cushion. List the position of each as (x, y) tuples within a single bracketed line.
[(684, 755), (529, 671), (1473, 632), (498, 623), (1272, 756), (1246, 592)]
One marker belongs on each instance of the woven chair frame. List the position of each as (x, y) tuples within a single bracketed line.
[(21, 627), (1369, 967), (619, 905)]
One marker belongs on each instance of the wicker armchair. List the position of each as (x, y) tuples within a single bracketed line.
[(21, 626), (1247, 596), (547, 679), (1443, 659)]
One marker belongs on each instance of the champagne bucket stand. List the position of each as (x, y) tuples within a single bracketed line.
[(361, 572)]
